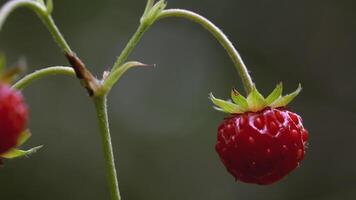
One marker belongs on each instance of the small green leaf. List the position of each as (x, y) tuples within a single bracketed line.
[(226, 106), (285, 100), (239, 99), (275, 94), (24, 136), (151, 15), (115, 75), (49, 6), (149, 5), (256, 101), (15, 153)]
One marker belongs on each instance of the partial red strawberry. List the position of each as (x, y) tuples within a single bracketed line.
[(13, 117), (262, 141)]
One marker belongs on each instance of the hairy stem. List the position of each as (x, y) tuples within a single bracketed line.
[(214, 30), (220, 36), (102, 115), (42, 12), (28, 79), (130, 45)]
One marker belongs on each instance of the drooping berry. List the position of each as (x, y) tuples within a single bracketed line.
[(262, 141), (13, 117)]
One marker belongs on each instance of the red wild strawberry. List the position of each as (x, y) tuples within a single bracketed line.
[(262, 141), (13, 117)]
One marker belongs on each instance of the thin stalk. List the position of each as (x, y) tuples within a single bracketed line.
[(28, 79), (56, 34), (214, 30), (220, 36), (130, 45), (41, 10), (102, 115)]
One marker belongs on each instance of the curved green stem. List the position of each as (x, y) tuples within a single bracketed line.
[(57, 70), (102, 115), (214, 30), (42, 12), (220, 36)]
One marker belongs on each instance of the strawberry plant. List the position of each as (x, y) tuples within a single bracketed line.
[(261, 141)]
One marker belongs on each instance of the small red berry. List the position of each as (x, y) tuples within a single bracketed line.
[(265, 149), (13, 117), (262, 141)]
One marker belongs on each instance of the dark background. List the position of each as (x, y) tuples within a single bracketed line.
[(163, 125)]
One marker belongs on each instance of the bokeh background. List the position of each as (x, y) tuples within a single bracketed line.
[(163, 125)]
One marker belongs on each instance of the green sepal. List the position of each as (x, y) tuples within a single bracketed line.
[(285, 100), (152, 12), (2, 63), (24, 136), (16, 153), (239, 99), (149, 6), (49, 5), (256, 101), (226, 106), (275, 94)]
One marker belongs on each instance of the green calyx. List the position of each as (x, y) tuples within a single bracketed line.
[(152, 11), (255, 101), (15, 152)]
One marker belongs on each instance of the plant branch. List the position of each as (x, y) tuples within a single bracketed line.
[(102, 115), (41, 10), (130, 45), (57, 70), (220, 36), (213, 29)]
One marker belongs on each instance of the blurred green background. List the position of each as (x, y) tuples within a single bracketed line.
[(163, 125)]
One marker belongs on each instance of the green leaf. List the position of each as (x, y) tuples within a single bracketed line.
[(226, 106), (275, 94), (149, 5), (239, 99), (151, 15), (16, 153), (24, 136), (285, 100), (256, 101), (49, 6), (115, 75)]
